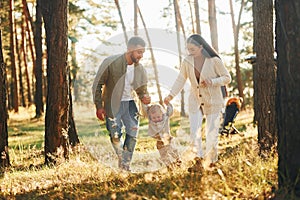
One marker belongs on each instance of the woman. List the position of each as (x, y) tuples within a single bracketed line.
[(206, 72)]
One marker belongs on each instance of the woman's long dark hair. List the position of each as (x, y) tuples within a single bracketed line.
[(198, 40)]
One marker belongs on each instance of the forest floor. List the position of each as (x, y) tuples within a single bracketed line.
[(92, 173)]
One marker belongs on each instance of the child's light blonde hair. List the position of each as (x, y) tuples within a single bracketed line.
[(155, 108)]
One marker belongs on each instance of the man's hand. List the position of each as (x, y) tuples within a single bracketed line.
[(146, 99), (101, 114)]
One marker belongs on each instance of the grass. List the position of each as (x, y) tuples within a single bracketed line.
[(91, 172)]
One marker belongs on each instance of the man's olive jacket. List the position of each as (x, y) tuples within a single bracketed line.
[(109, 83)]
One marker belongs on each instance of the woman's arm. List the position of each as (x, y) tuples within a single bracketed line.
[(181, 78), (222, 73)]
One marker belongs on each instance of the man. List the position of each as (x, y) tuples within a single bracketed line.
[(117, 77)]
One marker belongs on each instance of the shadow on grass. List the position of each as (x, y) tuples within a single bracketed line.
[(136, 186), (132, 187)]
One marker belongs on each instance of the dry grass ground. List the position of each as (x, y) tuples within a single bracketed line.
[(91, 172)]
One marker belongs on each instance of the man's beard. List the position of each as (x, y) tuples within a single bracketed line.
[(134, 60)]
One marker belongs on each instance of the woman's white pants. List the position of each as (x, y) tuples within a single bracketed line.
[(211, 134)]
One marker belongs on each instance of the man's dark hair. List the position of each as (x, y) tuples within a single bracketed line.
[(135, 40)]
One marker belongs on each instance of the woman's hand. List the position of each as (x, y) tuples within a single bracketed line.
[(206, 83), (168, 99)]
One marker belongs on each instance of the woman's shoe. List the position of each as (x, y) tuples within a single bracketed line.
[(197, 166)]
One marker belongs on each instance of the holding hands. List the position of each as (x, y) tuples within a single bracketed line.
[(168, 99), (146, 99)]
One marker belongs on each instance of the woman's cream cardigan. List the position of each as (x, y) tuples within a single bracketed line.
[(209, 98)]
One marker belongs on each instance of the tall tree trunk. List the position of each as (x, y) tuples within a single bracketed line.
[(122, 21), (177, 23), (4, 158), (197, 16), (73, 136), (29, 97), (18, 52), (179, 18), (25, 58), (14, 83), (29, 30), (192, 16), (73, 72), (212, 19), (264, 86), (236, 28), (26, 67), (153, 60), (26, 13), (288, 97), (135, 13), (38, 70), (57, 108)]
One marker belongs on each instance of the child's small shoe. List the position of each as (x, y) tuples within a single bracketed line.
[(175, 164)]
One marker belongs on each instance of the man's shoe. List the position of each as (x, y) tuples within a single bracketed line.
[(125, 168)]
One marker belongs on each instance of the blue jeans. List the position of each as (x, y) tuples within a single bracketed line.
[(127, 116)]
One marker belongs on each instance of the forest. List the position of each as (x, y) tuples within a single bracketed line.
[(52, 144)]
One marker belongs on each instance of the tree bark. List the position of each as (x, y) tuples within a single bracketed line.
[(153, 60), (177, 22), (122, 21), (38, 70), (4, 156), (30, 31), (192, 16), (135, 19), (73, 135), (288, 97), (14, 83), (57, 109), (264, 86), (212, 19), (197, 16), (19, 61), (235, 28)]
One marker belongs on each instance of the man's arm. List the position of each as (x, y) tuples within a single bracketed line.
[(98, 87), (99, 83)]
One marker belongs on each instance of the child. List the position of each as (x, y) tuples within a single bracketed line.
[(159, 128)]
